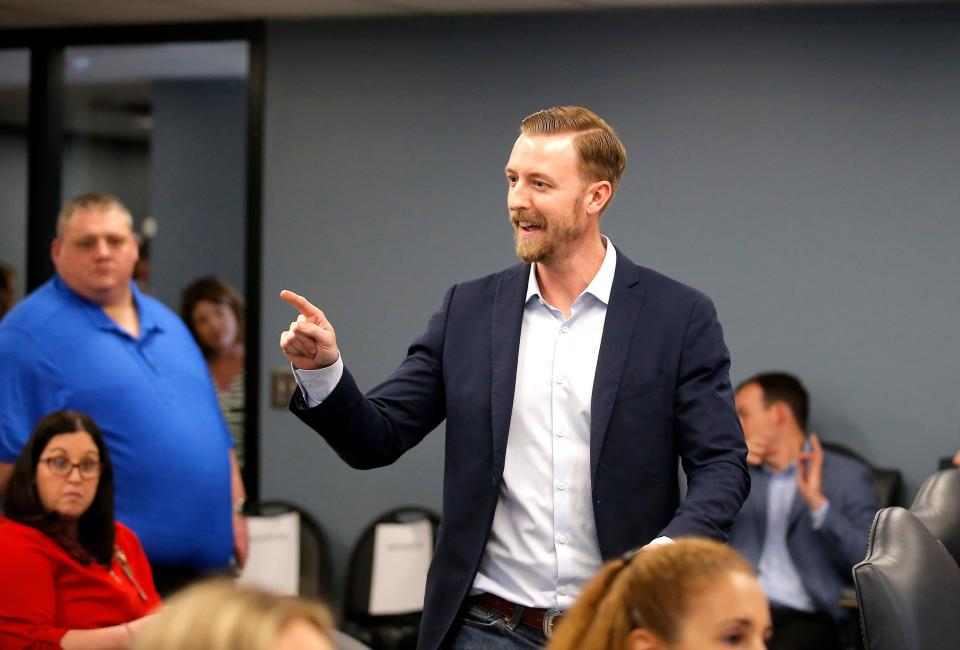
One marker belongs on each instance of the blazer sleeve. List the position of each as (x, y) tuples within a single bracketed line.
[(846, 526), (374, 430), (707, 431)]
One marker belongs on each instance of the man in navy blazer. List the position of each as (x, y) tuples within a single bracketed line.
[(808, 516), (570, 385)]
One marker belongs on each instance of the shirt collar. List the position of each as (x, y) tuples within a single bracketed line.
[(600, 286), (148, 321)]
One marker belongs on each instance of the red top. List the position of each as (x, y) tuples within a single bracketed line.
[(44, 592)]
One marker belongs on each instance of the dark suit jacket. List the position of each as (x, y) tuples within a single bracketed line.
[(661, 392), (824, 558)]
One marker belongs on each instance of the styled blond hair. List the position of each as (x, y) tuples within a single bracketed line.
[(220, 615), (652, 589), (602, 156), (90, 201)]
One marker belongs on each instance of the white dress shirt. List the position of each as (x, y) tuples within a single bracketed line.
[(543, 544)]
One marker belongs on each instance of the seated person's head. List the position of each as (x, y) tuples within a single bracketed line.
[(62, 484), (221, 615), (691, 595), (773, 409)]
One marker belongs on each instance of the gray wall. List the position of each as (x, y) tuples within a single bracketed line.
[(118, 167), (198, 157), (798, 165)]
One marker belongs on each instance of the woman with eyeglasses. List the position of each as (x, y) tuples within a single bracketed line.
[(70, 575), (694, 594)]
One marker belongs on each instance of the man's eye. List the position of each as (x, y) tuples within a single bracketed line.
[(116, 242), (85, 243)]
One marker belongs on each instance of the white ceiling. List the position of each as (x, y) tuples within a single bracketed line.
[(75, 13)]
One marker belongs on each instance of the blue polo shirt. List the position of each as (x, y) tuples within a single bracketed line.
[(154, 401)]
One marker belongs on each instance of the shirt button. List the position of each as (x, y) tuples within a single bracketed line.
[(564, 329), (560, 434), (559, 380), (562, 591), (561, 486), (562, 539), (540, 300)]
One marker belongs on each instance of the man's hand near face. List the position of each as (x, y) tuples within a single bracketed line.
[(757, 447), (810, 474)]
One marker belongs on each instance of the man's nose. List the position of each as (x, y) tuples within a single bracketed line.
[(102, 248), (518, 198)]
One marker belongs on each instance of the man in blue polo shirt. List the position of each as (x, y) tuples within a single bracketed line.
[(90, 341)]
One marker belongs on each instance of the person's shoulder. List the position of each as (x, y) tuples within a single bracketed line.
[(39, 309), (14, 535), (843, 466), (157, 312), (657, 284), (124, 536)]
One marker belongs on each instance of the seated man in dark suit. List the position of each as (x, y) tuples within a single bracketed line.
[(806, 521)]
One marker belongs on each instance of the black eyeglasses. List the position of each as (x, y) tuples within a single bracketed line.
[(89, 468)]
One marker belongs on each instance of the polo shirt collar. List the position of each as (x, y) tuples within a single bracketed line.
[(148, 320)]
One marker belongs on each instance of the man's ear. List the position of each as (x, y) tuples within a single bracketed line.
[(781, 412), (642, 639), (598, 195), (55, 250)]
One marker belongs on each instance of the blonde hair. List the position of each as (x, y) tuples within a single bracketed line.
[(219, 615), (652, 589), (602, 155), (90, 201)]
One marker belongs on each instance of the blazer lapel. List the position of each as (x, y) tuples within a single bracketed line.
[(505, 345), (626, 298)]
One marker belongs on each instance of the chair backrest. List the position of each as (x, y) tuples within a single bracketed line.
[(887, 482), (937, 505), (387, 631), (315, 563), (908, 587)]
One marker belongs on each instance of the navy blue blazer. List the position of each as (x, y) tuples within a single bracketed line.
[(824, 558), (661, 392)]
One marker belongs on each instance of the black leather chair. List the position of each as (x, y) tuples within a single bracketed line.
[(380, 631), (908, 587), (887, 482), (938, 506)]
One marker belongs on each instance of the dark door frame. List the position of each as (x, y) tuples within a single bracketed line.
[(45, 166)]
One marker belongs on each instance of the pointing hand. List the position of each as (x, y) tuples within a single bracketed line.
[(310, 342)]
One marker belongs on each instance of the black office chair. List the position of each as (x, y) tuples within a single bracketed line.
[(937, 506), (887, 483), (397, 631), (316, 565), (908, 587)]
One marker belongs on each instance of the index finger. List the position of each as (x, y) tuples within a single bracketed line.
[(299, 303)]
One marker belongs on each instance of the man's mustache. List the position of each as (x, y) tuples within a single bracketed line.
[(531, 218)]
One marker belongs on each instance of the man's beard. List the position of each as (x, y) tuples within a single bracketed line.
[(539, 249), (543, 247)]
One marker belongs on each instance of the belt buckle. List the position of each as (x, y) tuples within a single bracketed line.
[(548, 617)]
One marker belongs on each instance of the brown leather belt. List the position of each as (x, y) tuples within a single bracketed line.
[(535, 617)]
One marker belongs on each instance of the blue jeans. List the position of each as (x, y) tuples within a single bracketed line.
[(478, 628)]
